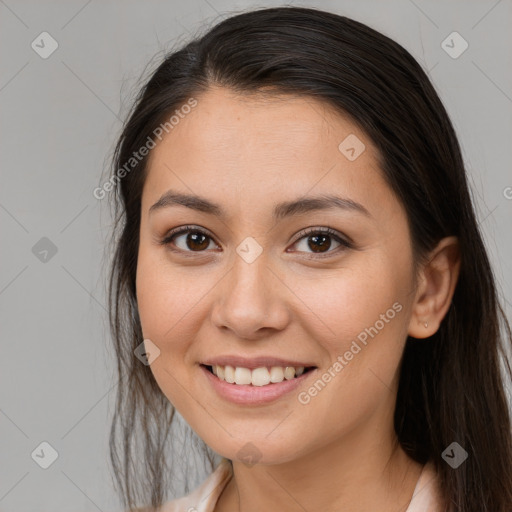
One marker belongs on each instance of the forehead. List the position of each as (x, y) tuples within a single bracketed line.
[(262, 146), (236, 124)]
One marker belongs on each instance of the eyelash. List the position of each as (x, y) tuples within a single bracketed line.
[(344, 244)]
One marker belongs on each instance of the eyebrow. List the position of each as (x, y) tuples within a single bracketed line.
[(282, 210)]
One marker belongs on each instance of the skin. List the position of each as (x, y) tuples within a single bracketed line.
[(247, 153)]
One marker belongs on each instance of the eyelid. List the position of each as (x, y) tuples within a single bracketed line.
[(344, 241), (183, 230), (341, 238)]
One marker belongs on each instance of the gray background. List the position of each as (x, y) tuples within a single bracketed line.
[(59, 119)]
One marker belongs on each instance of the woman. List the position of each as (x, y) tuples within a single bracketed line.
[(300, 274)]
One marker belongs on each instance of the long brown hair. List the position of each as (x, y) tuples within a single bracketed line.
[(452, 387)]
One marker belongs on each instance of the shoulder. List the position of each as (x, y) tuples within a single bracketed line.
[(204, 497), (427, 495)]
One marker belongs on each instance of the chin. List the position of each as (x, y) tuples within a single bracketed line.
[(254, 450)]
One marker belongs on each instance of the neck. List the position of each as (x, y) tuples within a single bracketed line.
[(361, 473)]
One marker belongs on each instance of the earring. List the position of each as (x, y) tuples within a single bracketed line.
[(425, 324)]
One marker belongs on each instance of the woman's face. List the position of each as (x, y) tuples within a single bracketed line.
[(258, 291)]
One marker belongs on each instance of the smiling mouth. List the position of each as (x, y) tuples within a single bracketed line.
[(263, 376)]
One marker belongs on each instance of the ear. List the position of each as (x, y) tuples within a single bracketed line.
[(436, 285)]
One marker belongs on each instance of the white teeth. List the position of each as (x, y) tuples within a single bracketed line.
[(260, 377), (289, 372), (242, 376), (229, 374), (257, 377), (276, 374)]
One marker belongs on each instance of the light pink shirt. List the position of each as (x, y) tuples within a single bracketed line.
[(426, 497)]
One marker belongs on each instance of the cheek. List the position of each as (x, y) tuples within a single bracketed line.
[(364, 318), (151, 298), (350, 302), (173, 307), (164, 297), (163, 304)]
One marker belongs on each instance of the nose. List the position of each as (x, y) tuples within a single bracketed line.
[(252, 300)]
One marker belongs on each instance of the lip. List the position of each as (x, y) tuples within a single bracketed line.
[(254, 362), (254, 395)]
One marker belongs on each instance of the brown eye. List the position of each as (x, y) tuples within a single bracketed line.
[(188, 239), (196, 241), (319, 241)]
